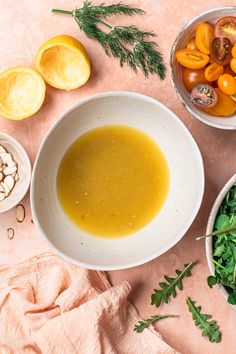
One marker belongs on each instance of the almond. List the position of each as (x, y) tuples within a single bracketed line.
[(9, 181), (2, 196), (20, 213), (9, 170), (6, 189), (2, 149)]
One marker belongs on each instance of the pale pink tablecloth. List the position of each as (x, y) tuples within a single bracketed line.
[(25, 24), (49, 306)]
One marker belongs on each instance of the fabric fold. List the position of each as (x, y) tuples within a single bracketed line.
[(50, 306)]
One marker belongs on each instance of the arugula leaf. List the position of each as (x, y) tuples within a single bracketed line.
[(209, 328), (222, 222), (144, 324), (224, 246), (211, 281), (168, 288), (232, 298)]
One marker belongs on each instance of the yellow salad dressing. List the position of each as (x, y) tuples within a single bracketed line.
[(112, 181)]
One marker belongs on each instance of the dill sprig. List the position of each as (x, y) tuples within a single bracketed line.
[(127, 43)]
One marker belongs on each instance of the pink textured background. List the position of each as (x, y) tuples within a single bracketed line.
[(24, 26)]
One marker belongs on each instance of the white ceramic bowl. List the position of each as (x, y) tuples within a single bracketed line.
[(210, 226), (178, 212), (24, 172), (188, 32)]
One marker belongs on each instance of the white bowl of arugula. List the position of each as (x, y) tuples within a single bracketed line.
[(221, 242)]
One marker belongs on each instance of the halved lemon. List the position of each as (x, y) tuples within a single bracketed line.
[(63, 62), (22, 92)]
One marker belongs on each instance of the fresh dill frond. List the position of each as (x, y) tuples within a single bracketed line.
[(127, 43)]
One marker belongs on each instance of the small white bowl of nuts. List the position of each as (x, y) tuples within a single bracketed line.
[(15, 172)]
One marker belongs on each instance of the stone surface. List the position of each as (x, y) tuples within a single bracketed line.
[(24, 26)]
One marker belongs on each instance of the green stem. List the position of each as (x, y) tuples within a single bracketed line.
[(156, 318), (65, 12), (217, 232), (104, 23), (144, 324), (217, 263)]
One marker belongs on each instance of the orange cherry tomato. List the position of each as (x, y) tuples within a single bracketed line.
[(225, 106), (191, 58), (192, 77), (233, 51), (213, 72), (227, 84), (191, 44), (233, 65), (204, 37)]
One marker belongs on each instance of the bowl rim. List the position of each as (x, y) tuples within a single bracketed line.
[(209, 229), (23, 152), (171, 63), (186, 226)]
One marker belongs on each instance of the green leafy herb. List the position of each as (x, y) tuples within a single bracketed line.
[(144, 324), (224, 246), (209, 328), (211, 281), (128, 43), (168, 288)]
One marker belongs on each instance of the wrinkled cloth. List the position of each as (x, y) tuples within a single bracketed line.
[(48, 306)]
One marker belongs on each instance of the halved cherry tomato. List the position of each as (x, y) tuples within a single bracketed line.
[(192, 77), (225, 27), (221, 50), (233, 51), (191, 58), (227, 84), (233, 65), (191, 44), (203, 95), (213, 72), (228, 70), (204, 37), (225, 106)]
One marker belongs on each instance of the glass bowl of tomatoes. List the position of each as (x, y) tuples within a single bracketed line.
[(203, 67)]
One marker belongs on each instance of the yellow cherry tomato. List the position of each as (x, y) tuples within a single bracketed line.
[(233, 65), (234, 51), (191, 58), (213, 72), (225, 106), (227, 84), (204, 37), (191, 44)]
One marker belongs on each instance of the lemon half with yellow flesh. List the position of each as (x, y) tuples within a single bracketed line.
[(22, 92), (63, 62)]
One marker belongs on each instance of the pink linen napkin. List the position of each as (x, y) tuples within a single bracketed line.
[(49, 306)]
